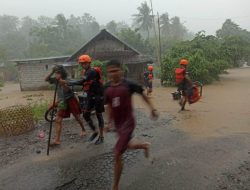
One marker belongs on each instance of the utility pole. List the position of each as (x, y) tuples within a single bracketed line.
[(159, 38), (156, 43)]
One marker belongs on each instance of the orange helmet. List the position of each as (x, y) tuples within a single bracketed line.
[(84, 59), (150, 68), (183, 62)]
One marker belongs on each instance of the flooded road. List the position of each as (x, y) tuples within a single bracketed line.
[(207, 147), (223, 110)]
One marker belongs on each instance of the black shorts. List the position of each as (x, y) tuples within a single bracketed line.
[(148, 84), (186, 90), (95, 103)]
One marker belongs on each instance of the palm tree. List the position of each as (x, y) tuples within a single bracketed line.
[(178, 30), (144, 18), (61, 25), (165, 24)]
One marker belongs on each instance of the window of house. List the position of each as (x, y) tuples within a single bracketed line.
[(46, 67)]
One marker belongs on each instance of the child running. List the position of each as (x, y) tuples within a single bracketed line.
[(118, 96), (66, 101)]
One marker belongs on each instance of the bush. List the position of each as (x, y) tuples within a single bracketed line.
[(102, 65), (157, 71), (205, 62), (95, 63), (39, 109), (1, 83)]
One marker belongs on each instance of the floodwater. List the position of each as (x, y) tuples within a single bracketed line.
[(224, 108), (205, 148), (224, 104), (10, 95)]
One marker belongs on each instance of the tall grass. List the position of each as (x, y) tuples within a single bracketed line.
[(38, 109), (1, 83)]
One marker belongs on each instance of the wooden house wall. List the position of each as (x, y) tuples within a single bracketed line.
[(135, 72)]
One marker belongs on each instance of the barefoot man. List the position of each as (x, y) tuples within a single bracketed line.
[(66, 102), (118, 96)]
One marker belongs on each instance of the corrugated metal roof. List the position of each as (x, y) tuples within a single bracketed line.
[(40, 59), (102, 32)]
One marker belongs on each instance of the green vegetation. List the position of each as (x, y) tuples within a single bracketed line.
[(27, 37), (209, 56), (1, 83), (38, 109), (102, 66)]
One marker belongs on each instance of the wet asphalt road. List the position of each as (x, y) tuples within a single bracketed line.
[(178, 161), (77, 164)]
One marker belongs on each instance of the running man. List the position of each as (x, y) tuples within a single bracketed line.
[(118, 94)]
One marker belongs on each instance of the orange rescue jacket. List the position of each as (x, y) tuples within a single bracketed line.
[(179, 75)]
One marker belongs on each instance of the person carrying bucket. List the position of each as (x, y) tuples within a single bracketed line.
[(183, 82)]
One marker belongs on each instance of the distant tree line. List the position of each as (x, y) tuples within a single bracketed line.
[(209, 55), (27, 37)]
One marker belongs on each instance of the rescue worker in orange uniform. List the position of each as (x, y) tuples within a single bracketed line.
[(94, 93), (183, 82), (148, 79)]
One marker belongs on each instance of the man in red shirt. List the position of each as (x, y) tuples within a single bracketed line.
[(118, 97)]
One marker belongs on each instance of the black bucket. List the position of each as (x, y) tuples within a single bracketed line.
[(176, 95)]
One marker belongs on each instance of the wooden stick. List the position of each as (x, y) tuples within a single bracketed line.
[(51, 121)]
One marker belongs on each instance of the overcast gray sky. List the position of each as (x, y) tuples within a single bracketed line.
[(196, 15)]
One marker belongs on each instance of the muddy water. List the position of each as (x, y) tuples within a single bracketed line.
[(11, 95), (224, 108), (192, 152)]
